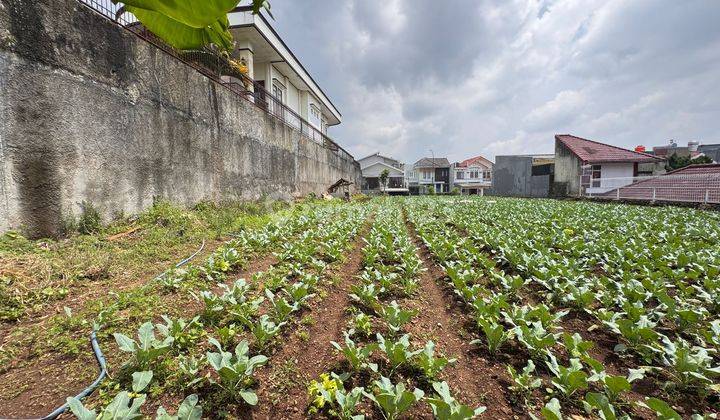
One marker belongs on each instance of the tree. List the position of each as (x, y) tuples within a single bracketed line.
[(677, 162), (188, 24), (384, 179)]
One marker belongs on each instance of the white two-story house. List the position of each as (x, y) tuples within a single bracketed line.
[(373, 166), (281, 83), (473, 176), (430, 173)]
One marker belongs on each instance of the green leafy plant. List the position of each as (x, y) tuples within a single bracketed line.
[(524, 382), (280, 308), (189, 410), (660, 408), (396, 317), (393, 400), (446, 407), (568, 379), (235, 370), (184, 333), (184, 24), (397, 351), (147, 349), (429, 364), (124, 406), (264, 330), (362, 323), (495, 335), (357, 356)]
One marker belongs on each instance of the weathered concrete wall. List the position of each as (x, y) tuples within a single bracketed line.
[(88, 111), (567, 172), (511, 176)]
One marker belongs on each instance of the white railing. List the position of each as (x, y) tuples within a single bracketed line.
[(688, 188)]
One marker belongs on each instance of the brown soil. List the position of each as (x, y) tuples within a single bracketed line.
[(283, 381), (474, 380), (37, 386)]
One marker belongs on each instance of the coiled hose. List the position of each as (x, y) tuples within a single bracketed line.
[(99, 355)]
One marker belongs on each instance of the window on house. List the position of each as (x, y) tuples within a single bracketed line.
[(427, 175), (596, 174), (486, 175), (460, 175), (278, 93), (314, 116)]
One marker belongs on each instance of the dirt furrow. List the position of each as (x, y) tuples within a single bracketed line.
[(474, 380), (307, 352)]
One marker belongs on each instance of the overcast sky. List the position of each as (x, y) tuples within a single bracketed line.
[(469, 77)]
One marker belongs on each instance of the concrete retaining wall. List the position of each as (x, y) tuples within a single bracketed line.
[(89, 112)]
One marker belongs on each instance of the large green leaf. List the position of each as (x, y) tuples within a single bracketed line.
[(181, 36), (192, 13), (189, 24)]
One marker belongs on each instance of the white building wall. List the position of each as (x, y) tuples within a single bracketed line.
[(614, 175)]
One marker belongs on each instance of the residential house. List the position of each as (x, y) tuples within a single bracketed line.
[(587, 166), (281, 84), (523, 175), (473, 176), (429, 173), (373, 166)]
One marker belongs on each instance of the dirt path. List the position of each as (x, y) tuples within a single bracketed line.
[(474, 380), (303, 356)]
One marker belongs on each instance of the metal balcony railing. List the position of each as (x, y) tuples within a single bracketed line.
[(221, 70)]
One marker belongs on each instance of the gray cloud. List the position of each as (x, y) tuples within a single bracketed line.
[(468, 77)]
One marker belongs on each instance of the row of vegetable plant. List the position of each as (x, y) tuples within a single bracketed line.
[(499, 254), (241, 316), (381, 365)]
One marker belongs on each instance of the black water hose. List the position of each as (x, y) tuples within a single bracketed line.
[(99, 355)]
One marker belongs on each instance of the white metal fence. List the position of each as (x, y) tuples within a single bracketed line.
[(689, 188)]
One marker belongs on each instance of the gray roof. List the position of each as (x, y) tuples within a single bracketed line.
[(432, 163)]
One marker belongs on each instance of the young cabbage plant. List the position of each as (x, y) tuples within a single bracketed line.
[(366, 295), (393, 400), (568, 379), (184, 333), (660, 408), (690, 367), (397, 351), (147, 349), (299, 292), (189, 409), (264, 330), (357, 356), (495, 335), (124, 406), (280, 307), (576, 346), (524, 383), (430, 365), (235, 370), (347, 403), (536, 339), (188, 369), (597, 401), (396, 317), (446, 407), (362, 323)]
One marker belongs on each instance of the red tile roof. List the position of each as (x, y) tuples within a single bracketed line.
[(708, 168), (480, 159), (590, 151), (694, 183)]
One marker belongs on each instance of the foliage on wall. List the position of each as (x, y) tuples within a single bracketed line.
[(188, 24)]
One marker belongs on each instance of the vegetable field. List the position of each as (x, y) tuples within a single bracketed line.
[(420, 307)]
